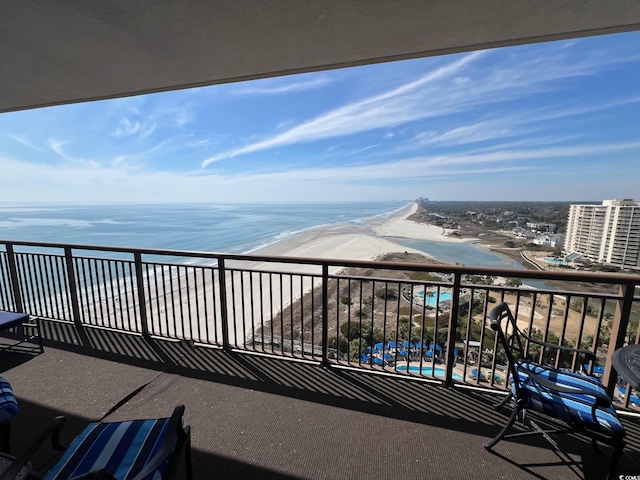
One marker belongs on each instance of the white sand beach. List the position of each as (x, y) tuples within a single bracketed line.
[(254, 296), (344, 242), (364, 242), (399, 226)]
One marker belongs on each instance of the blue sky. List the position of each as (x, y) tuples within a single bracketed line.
[(552, 121)]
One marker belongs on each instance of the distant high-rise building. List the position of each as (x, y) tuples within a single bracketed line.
[(607, 233)]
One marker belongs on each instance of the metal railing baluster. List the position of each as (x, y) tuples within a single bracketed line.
[(15, 282), (120, 294), (142, 302), (453, 324), (223, 303)]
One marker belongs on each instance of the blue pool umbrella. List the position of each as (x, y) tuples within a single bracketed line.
[(392, 344), (597, 369), (377, 361), (367, 350), (633, 398), (379, 346), (403, 353), (455, 351), (364, 358), (420, 345), (405, 344), (430, 354), (387, 356)]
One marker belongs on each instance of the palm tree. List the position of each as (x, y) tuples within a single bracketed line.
[(430, 294)]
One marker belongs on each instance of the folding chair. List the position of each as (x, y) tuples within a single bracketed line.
[(129, 450), (571, 401), (22, 323)]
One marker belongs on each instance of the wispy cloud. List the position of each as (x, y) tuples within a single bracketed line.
[(132, 160), (523, 123), (450, 164), (299, 86), (22, 139), (121, 180), (128, 127), (56, 145), (385, 110), (462, 85), (487, 125)]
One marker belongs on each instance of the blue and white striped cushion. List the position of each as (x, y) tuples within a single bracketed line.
[(120, 448), (8, 401), (572, 408)]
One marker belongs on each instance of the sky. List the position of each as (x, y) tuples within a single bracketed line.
[(552, 121)]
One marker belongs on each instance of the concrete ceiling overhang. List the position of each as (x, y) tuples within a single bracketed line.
[(65, 51)]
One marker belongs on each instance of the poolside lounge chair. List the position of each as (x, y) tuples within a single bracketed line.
[(566, 401), (474, 375), (593, 370), (129, 450)]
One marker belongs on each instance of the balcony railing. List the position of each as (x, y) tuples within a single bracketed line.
[(420, 320)]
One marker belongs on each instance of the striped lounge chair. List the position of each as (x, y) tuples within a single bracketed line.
[(130, 450), (8, 410), (571, 401)]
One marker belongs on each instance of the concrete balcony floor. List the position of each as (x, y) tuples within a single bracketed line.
[(269, 418)]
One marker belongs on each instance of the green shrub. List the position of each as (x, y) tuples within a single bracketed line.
[(387, 294), (345, 300), (424, 277), (350, 330)]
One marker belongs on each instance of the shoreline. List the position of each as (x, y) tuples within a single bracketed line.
[(361, 242)]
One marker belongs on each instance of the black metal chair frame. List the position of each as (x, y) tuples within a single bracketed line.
[(170, 450), (5, 432), (513, 345), (19, 326)]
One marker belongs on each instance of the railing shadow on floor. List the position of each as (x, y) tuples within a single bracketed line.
[(465, 410)]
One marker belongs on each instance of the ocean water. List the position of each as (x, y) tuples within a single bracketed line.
[(203, 227), (221, 228)]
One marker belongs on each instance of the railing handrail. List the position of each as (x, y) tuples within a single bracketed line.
[(139, 303), (607, 277)]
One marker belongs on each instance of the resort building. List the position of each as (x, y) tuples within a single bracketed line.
[(607, 233), (552, 240), (542, 227)]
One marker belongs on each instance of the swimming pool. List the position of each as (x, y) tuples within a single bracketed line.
[(555, 261), (431, 301), (439, 372)]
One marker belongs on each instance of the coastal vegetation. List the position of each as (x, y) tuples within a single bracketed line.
[(370, 306), (364, 311), (491, 216)]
